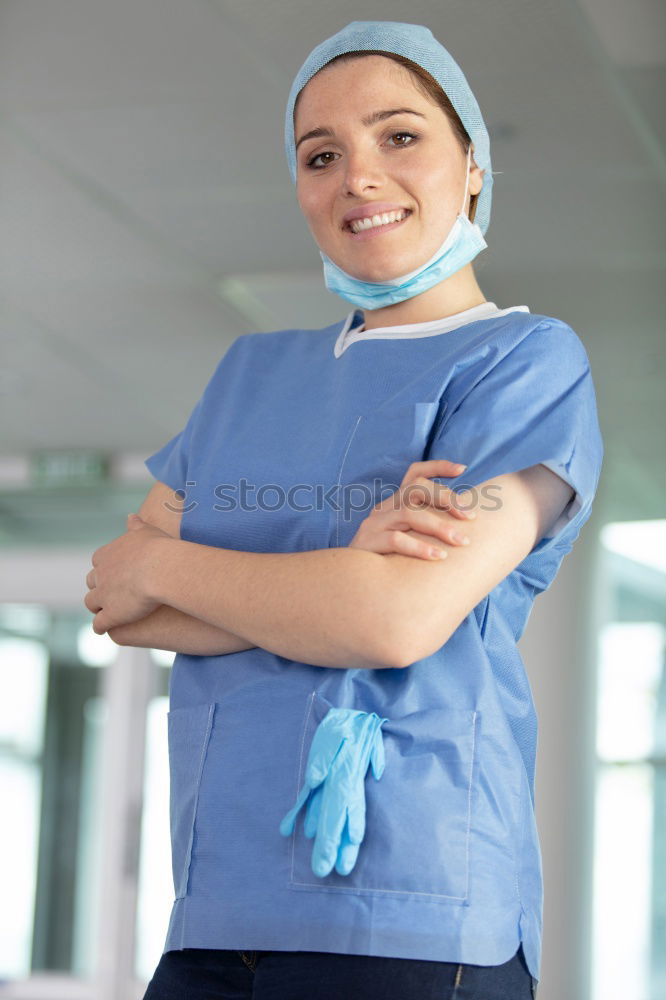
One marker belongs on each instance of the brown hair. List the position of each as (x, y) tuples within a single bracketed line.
[(430, 89)]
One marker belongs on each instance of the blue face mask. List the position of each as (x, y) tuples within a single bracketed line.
[(463, 242)]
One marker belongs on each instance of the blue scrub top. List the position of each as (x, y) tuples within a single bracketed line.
[(296, 436)]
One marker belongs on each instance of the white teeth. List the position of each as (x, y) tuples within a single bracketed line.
[(358, 225)]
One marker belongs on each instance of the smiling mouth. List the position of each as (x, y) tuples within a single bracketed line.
[(375, 223)]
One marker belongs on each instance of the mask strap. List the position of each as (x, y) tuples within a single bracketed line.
[(469, 153)]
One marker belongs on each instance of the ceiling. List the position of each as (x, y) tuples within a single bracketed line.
[(147, 217)]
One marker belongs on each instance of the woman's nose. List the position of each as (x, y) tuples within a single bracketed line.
[(360, 173)]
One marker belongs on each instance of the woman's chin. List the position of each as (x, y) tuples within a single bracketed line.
[(379, 273)]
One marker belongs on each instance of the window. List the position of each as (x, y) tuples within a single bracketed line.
[(84, 844), (52, 716), (629, 914), (155, 892)]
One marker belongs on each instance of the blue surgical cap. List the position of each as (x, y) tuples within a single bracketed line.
[(418, 44)]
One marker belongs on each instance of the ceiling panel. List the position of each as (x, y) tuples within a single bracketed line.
[(147, 216)]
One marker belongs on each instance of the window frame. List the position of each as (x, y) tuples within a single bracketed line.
[(54, 578)]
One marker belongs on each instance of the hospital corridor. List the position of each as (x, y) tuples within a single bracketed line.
[(176, 309)]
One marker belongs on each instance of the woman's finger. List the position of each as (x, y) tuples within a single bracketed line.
[(433, 467), (408, 543), (425, 520), (100, 624), (460, 505), (383, 534), (92, 603), (423, 492), (437, 524)]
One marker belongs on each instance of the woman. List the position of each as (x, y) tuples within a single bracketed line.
[(296, 575)]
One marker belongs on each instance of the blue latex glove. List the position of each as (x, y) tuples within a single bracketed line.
[(345, 743)]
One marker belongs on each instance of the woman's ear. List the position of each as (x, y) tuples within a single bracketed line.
[(476, 179), (475, 174)]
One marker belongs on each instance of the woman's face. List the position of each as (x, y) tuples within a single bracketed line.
[(409, 162)]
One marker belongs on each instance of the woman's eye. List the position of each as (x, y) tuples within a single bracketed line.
[(311, 163), (398, 135), (410, 136)]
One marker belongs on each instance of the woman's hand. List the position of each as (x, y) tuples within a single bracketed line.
[(405, 521), (118, 593)]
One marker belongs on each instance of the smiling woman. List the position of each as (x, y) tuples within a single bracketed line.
[(424, 83), (348, 156), (336, 609)]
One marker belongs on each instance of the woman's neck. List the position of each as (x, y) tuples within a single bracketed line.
[(454, 295)]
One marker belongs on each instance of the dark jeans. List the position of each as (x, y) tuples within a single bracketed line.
[(203, 974)]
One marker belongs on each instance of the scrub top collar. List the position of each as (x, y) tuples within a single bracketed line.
[(353, 328)]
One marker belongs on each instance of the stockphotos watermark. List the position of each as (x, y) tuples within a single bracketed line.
[(347, 499)]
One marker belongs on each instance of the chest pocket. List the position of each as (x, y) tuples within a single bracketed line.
[(379, 449)]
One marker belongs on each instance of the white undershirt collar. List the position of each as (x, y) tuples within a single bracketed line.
[(431, 328)]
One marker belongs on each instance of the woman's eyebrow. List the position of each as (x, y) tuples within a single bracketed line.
[(376, 116)]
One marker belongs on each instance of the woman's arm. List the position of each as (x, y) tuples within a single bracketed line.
[(176, 630), (435, 599), (350, 608), (345, 608), (165, 627), (325, 607)]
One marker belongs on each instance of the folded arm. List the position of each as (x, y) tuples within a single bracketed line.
[(166, 627), (317, 607), (325, 607), (350, 608), (171, 629), (432, 599)]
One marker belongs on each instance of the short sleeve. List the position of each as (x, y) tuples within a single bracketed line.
[(169, 464), (536, 405)]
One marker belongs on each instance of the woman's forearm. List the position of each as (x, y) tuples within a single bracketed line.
[(174, 630), (327, 607)]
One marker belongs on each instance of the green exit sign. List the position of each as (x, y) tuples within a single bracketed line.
[(68, 468)]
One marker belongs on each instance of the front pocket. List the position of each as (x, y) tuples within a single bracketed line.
[(380, 448), (189, 732), (418, 815)]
